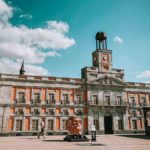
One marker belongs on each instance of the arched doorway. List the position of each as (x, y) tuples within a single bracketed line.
[(108, 124)]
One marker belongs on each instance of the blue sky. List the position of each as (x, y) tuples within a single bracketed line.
[(76, 23)]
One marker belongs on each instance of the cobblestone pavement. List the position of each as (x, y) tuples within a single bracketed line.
[(104, 142)]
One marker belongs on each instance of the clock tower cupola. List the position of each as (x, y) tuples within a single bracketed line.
[(102, 57)]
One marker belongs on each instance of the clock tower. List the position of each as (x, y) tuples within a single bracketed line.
[(101, 62), (102, 57)]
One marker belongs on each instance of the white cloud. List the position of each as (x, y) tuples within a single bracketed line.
[(144, 75), (27, 16), (5, 12), (9, 66), (31, 44), (62, 27), (118, 40), (147, 82)]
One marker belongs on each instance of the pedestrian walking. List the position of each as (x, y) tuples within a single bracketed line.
[(42, 132)]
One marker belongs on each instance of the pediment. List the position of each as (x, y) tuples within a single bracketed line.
[(108, 80)]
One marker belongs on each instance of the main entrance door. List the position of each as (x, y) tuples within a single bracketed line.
[(108, 124)]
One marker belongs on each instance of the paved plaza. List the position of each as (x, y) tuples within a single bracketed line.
[(104, 142)]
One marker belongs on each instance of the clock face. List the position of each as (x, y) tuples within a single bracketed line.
[(104, 57)]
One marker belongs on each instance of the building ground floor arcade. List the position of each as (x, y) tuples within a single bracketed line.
[(113, 120)]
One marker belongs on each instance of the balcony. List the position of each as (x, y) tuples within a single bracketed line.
[(135, 115), (19, 113), (50, 113), (20, 101), (35, 113), (140, 105), (65, 113), (76, 102), (51, 101), (107, 103), (35, 101), (79, 112), (64, 102), (144, 104)]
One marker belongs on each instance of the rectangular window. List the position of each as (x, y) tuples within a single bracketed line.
[(50, 124), (120, 124), (78, 99), (20, 112), (107, 98), (52, 96), (64, 121), (34, 125), (134, 124), (18, 125), (37, 96), (93, 75), (36, 112), (65, 99), (134, 113), (95, 99), (96, 124), (105, 67), (132, 99), (65, 112), (21, 96), (143, 101), (119, 100), (79, 112), (65, 96), (51, 111)]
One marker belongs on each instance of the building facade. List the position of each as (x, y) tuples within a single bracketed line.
[(100, 97)]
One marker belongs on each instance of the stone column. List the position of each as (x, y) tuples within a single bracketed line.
[(125, 121), (90, 120), (115, 122), (101, 122)]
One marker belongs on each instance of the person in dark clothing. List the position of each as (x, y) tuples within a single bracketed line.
[(42, 132)]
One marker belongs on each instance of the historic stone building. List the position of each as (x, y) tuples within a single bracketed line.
[(101, 97)]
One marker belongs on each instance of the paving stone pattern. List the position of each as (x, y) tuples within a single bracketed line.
[(104, 142)]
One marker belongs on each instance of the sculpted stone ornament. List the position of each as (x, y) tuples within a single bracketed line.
[(74, 127)]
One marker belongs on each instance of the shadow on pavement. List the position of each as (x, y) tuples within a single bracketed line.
[(146, 137), (53, 141), (90, 144), (30, 138)]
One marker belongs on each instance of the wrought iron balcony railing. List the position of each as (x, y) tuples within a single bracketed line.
[(35, 101), (19, 113), (66, 113), (79, 112), (139, 105), (136, 115), (20, 101), (35, 113), (107, 103), (50, 113), (65, 102), (51, 101), (76, 102)]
